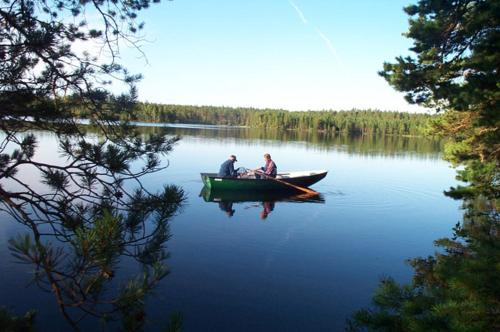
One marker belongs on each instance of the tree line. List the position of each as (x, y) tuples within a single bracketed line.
[(354, 121)]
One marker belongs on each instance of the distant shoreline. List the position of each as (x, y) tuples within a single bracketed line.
[(365, 122)]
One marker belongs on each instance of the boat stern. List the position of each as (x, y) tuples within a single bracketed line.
[(206, 178)]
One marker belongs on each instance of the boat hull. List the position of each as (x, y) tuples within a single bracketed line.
[(213, 181)]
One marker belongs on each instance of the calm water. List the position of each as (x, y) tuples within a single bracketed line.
[(285, 265)]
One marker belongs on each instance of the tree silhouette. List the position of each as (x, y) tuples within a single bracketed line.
[(92, 211)]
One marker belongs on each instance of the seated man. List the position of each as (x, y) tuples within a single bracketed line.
[(269, 168), (227, 167)]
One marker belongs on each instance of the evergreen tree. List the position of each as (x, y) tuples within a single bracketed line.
[(455, 71), (88, 215)]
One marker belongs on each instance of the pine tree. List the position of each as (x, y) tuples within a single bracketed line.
[(86, 218), (456, 72)]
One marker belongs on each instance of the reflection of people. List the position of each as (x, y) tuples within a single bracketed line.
[(227, 167), (269, 168), (267, 208), (227, 207)]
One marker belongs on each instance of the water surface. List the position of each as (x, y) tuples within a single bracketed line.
[(284, 264)]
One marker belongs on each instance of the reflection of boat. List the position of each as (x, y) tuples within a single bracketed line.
[(302, 179), (266, 200), (214, 195)]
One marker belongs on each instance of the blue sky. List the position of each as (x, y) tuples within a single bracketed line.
[(296, 55)]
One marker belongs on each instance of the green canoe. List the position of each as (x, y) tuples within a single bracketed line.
[(302, 179)]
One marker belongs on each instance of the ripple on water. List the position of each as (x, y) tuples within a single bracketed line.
[(388, 196)]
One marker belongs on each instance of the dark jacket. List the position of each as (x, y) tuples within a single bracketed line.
[(227, 168)]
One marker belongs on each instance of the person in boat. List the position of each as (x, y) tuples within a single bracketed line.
[(227, 167), (269, 167)]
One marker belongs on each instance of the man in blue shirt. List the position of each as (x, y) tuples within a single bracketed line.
[(227, 167)]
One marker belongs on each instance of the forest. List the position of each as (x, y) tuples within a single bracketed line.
[(366, 122)]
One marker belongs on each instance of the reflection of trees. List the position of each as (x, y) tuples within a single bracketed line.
[(371, 145)]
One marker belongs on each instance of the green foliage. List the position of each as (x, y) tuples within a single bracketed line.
[(454, 290), (89, 254), (456, 70), (483, 177), (83, 217), (28, 251), (131, 301), (456, 46), (175, 324), (367, 122), (11, 323), (41, 35), (100, 243)]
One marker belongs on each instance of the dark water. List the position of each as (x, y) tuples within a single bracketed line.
[(279, 264)]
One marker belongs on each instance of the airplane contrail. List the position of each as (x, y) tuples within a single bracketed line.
[(299, 12), (326, 40), (329, 45)]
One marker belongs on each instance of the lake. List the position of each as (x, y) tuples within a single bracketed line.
[(284, 265)]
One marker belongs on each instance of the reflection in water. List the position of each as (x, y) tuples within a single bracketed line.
[(461, 280), (210, 264), (358, 144), (227, 207), (267, 200), (268, 207)]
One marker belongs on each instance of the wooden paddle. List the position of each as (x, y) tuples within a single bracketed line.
[(306, 190)]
